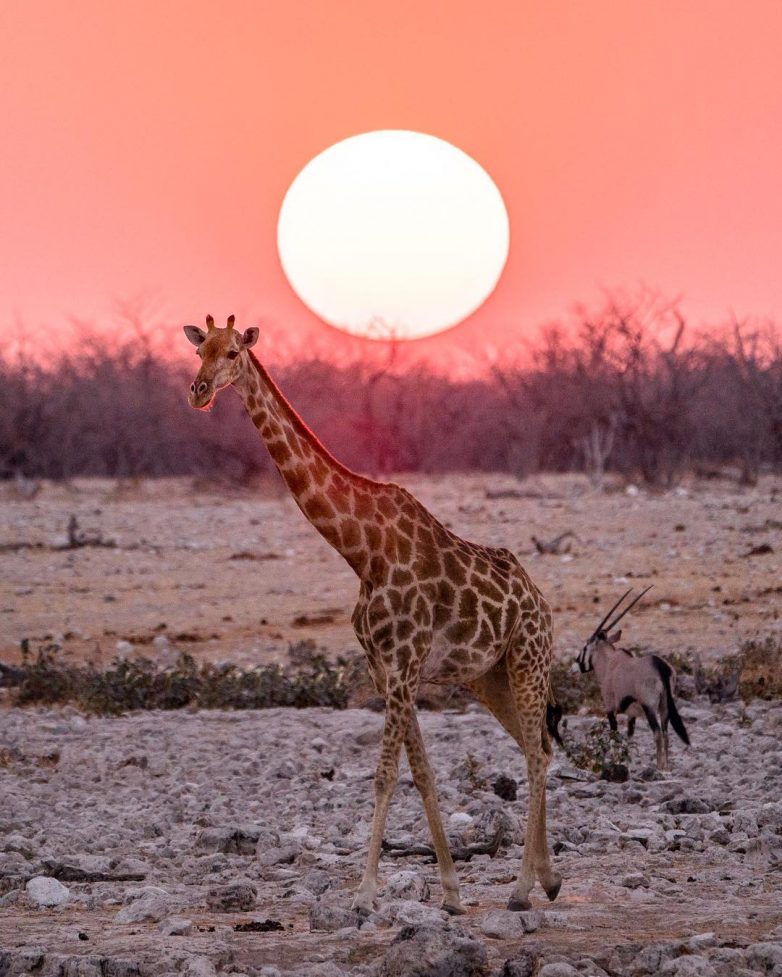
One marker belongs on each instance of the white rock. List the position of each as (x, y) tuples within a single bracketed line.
[(200, 967), (407, 885), (502, 924), (460, 820), (152, 907), (176, 926), (689, 966), (45, 891), (407, 912), (559, 969)]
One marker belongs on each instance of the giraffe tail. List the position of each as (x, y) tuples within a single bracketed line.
[(553, 717)]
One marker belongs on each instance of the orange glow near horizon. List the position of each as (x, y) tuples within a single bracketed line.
[(148, 149)]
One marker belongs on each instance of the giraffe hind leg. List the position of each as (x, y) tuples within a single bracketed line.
[(494, 691)]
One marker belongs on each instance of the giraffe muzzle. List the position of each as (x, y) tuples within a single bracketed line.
[(201, 394)]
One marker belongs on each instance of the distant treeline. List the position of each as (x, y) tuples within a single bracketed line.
[(631, 390)]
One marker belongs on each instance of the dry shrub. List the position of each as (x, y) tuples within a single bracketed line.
[(754, 672), (625, 389), (574, 689), (760, 676)]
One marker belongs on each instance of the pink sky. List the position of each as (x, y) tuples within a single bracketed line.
[(147, 147)]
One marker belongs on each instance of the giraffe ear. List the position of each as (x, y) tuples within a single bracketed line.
[(195, 335), (613, 638), (250, 337)]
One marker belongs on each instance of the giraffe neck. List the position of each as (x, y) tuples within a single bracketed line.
[(338, 502)]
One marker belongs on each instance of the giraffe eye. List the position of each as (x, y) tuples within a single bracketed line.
[(233, 354)]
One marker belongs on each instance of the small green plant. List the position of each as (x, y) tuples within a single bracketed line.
[(602, 751)]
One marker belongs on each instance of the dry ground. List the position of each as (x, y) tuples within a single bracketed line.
[(238, 575)]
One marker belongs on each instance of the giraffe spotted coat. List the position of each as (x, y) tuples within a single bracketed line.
[(431, 606)]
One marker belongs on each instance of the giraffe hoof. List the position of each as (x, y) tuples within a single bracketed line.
[(362, 908), (553, 891), (453, 910), (518, 905)]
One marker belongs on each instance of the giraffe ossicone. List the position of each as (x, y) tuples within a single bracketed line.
[(431, 606)]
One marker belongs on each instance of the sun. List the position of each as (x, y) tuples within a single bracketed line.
[(393, 234)]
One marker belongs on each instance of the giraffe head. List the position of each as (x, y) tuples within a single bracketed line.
[(221, 358)]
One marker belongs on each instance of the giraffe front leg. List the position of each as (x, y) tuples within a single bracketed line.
[(398, 713), (424, 781)]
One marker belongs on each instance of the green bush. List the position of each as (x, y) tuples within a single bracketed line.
[(140, 683)]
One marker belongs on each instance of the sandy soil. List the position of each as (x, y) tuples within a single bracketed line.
[(239, 575)]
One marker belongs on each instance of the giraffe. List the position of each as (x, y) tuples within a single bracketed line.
[(431, 606)]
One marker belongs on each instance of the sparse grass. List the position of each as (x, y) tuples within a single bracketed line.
[(43, 679)]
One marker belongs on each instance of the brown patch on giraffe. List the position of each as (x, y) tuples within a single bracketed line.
[(320, 470), (401, 577), (404, 652), (404, 546), (461, 632), (339, 498), (421, 612), (442, 615), (386, 506), (317, 508), (468, 604), (493, 614), (373, 536), (331, 534), (391, 549), (404, 629), (405, 526), (378, 569), (341, 484), (485, 635), (298, 479), (455, 568), (280, 451), (383, 635), (351, 534), (362, 504), (411, 508), (492, 591), (427, 565)]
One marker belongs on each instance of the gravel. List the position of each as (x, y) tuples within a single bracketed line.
[(229, 851)]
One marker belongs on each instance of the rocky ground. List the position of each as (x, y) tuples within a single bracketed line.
[(231, 842)]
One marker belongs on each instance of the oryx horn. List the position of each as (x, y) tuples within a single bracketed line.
[(616, 620)]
